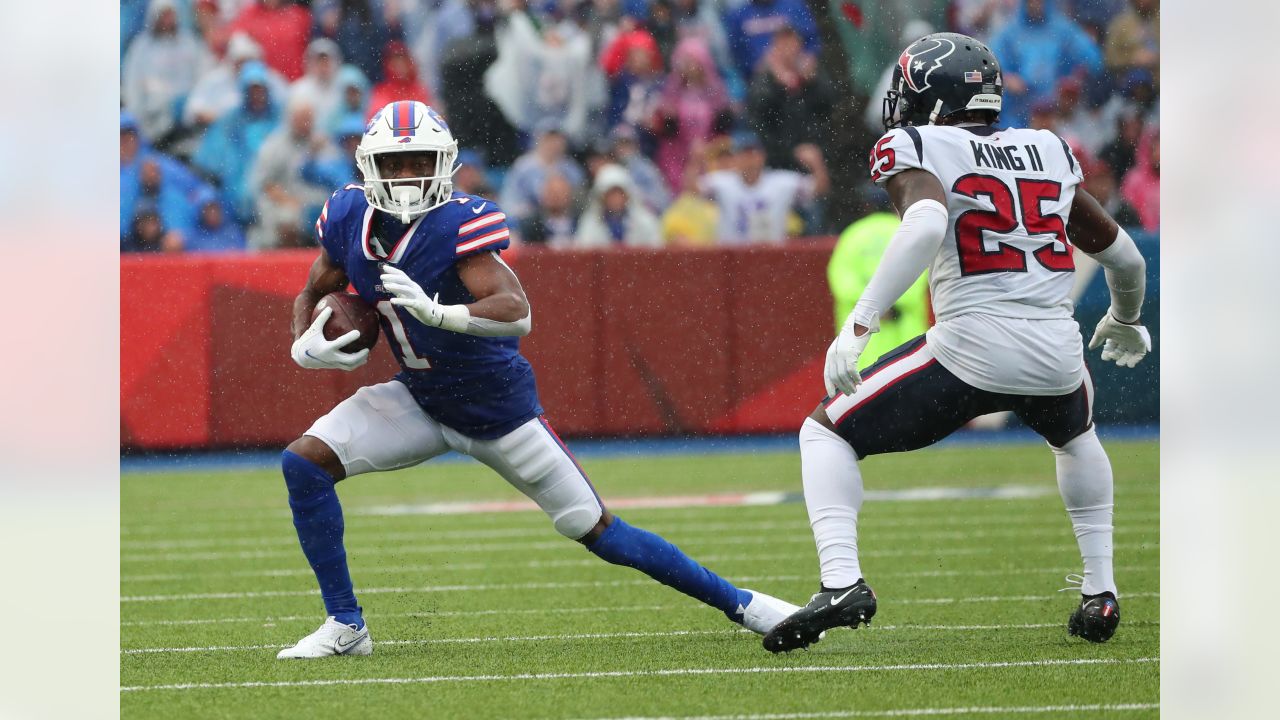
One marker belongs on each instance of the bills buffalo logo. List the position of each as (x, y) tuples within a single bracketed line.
[(920, 60)]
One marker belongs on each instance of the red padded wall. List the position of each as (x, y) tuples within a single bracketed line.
[(625, 342)]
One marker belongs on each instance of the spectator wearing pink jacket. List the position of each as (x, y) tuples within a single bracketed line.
[(694, 107), (1141, 187)]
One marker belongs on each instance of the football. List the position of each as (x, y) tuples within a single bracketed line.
[(349, 313)]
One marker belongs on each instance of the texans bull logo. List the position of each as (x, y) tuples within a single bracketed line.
[(920, 60)]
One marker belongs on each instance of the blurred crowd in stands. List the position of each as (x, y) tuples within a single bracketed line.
[(594, 122)]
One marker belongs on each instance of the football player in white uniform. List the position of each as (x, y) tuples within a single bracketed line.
[(987, 212)]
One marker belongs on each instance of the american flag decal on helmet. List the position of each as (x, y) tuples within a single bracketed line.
[(973, 76)]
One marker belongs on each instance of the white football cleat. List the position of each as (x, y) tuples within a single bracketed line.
[(333, 638), (765, 611)]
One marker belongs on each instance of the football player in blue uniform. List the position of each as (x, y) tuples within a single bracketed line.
[(427, 258)]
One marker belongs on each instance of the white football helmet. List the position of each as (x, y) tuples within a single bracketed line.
[(407, 126)]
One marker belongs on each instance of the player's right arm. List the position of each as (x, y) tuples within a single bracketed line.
[(325, 277), (310, 348), (1120, 332), (922, 203)]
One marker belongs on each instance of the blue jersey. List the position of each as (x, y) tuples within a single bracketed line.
[(479, 386)]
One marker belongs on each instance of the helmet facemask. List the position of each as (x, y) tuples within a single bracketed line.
[(428, 186), (891, 113)]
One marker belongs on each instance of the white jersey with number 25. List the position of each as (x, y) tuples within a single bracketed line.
[(1000, 283)]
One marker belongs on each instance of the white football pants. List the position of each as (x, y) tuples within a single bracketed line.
[(381, 427)]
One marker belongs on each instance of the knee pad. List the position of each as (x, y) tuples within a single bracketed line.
[(578, 521)]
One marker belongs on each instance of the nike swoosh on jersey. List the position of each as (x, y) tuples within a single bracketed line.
[(476, 211)]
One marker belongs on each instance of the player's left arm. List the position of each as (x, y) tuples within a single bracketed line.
[(1120, 332), (500, 309), (922, 203)]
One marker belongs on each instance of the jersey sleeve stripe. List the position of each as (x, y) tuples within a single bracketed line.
[(484, 240), (919, 142), (1067, 149), (480, 222)]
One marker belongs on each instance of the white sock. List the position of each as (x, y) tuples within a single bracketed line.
[(1084, 480), (833, 495)]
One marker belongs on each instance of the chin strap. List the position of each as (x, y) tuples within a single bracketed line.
[(933, 116)]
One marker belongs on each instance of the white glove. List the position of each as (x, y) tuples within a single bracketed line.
[(426, 310), (1126, 344), (842, 361), (313, 352)]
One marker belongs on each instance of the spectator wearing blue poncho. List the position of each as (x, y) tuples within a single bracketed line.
[(1037, 48), (354, 104), (182, 184), (231, 144), (334, 170), (211, 230)]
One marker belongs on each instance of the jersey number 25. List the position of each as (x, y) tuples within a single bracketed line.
[(975, 259)]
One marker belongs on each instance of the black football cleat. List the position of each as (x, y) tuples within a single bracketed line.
[(1096, 619), (851, 606)]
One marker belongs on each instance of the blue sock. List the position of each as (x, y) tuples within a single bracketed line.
[(317, 515), (623, 544)]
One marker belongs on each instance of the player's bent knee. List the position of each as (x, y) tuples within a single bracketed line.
[(578, 522), (317, 452), (1087, 437), (819, 415)]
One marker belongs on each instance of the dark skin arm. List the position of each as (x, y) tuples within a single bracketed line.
[(325, 277), (1092, 228), (498, 293), (496, 289)]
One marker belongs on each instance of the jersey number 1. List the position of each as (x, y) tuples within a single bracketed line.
[(975, 259), (411, 359)]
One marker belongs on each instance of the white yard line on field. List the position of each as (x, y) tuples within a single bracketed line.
[(428, 546), (589, 636), (206, 574), (908, 712), (428, 614), (919, 494), (644, 673), (676, 506), (449, 641), (427, 534), (424, 614), (182, 597)]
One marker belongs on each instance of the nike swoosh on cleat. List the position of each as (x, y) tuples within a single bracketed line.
[(836, 601), (343, 647), (476, 211)]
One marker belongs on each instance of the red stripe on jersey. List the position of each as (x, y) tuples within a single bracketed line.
[(480, 222), (484, 240)]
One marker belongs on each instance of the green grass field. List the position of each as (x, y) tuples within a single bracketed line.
[(496, 616)]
